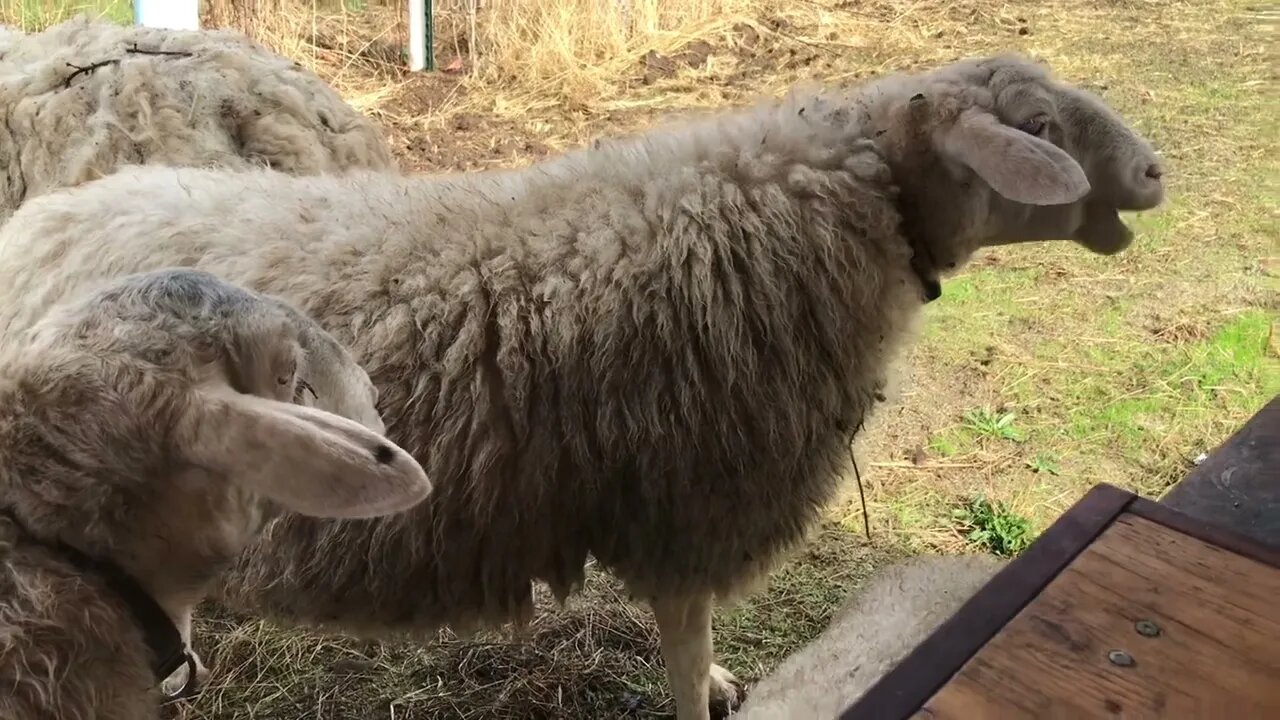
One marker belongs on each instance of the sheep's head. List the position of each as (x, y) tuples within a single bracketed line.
[(155, 421), (993, 151), (333, 380)]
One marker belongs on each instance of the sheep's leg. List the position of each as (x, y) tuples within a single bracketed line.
[(702, 690), (178, 679)]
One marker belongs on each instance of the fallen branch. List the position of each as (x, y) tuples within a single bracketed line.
[(135, 50), (132, 50), (85, 70)]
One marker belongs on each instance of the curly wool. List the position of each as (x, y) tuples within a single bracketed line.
[(151, 424), (84, 97), (652, 351), (676, 402)]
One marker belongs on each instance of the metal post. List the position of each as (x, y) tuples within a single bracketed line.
[(169, 14), (421, 31)]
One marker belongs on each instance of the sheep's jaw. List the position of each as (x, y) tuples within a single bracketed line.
[(930, 284), (1103, 231)]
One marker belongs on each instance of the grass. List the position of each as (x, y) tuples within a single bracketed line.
[(36, 14), (1040, 372), (991, 527)]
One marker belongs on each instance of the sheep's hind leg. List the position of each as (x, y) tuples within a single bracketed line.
[(702, 689)]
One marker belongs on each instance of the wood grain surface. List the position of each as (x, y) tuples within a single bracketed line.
[(1217, 654)]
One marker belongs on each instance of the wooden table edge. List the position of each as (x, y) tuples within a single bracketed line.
[(904, 689), (1224, 538)]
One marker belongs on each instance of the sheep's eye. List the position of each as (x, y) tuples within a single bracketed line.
[(1034, 126), (304, 386)]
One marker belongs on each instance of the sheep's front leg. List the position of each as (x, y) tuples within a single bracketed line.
[(702, 690), (178, 680)]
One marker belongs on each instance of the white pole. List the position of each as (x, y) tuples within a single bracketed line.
[(171, 14), (417, 34)]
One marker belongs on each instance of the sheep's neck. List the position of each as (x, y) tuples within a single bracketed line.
[(157, 624)]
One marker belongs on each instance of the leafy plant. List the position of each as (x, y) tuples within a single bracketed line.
[(992, 527), (1044, 463), (985, 422)]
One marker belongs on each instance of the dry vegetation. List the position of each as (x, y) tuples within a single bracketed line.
[(1041, 370)]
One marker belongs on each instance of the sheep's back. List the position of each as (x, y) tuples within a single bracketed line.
[(199, 99), (677, 403)]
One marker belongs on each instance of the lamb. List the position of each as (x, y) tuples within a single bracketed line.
[(85, 97), (653, 350), (870, 634), (146, 434)]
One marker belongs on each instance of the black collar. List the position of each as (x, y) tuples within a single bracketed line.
[(168, 651)]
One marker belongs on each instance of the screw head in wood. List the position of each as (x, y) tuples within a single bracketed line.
[(1121, 658), (1146, 628)]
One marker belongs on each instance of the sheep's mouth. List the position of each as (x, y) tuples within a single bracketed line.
[(930, 283), (1103, 231)]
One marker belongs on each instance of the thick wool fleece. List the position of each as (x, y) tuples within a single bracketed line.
[(84, 97), (653, 351)]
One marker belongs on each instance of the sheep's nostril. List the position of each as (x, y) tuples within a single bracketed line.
[(1154, 172)]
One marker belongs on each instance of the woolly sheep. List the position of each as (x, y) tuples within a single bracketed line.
[(8, 36), (870, 634), (85, 97), (150, 425), (653, 350)]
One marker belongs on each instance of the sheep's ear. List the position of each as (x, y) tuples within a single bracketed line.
[(1019, 166), (309, 461)]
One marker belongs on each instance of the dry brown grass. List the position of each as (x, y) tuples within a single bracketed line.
[(597, 657)]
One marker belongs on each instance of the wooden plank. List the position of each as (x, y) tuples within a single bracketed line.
[(909, 684), (1217, 654), (1238, 485), (1223, 537)]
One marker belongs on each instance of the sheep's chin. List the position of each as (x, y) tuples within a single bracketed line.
[(1103, 231)]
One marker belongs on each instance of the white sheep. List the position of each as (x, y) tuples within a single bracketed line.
[(870, 634), (8, 36), (653, 350), (84, 97), (147, 432)]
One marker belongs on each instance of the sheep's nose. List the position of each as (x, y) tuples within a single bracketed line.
[(1154, 171)]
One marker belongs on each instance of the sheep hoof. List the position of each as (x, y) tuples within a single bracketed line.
[(173, 684), (726, 693)]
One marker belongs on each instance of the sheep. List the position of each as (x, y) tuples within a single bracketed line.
[(869, 635), (146, 434), (653, 350), (85, 97), (8, 36)]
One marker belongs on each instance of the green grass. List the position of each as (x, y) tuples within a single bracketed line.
[(991, 527), (986, 423), (1044, 462), (37, 14)]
